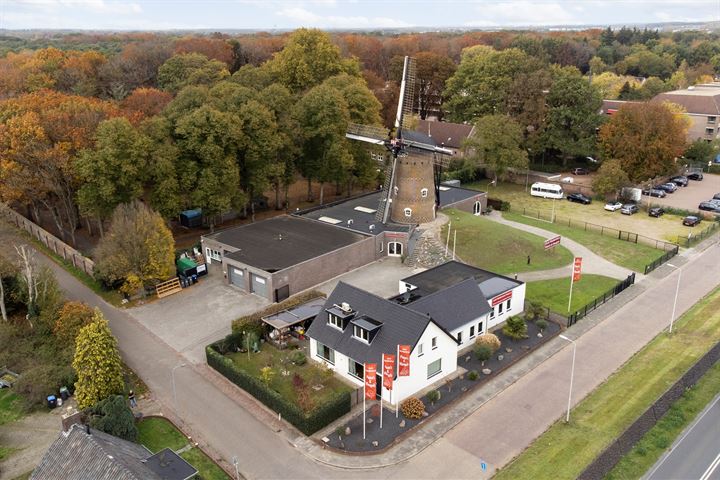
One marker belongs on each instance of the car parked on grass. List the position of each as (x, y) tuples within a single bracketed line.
[(629, 209), (710, 206), (666, 187), (691, 221), (580, 171), (716, 196), (653, 192), (697, 176), (656, 212), (680, 181), (579, 198), (613, 206)]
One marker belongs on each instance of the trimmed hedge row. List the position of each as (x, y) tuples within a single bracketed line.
[(308, 424), (253, 321)]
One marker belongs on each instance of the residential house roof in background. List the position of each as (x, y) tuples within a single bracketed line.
[(446, 133)]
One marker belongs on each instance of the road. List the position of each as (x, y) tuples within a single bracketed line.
[(696, 454)]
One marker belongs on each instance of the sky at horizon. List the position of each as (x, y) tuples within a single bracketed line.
[(343, 14)]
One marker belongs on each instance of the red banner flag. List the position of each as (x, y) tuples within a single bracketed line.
[(370, 381), (388, 370), (404, 360), (577, 268)]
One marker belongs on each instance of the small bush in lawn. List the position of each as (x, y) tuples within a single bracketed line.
[(412, 408), (433, 396), (483, 352), (489, 339), (515, 328), (534, 311), (473, 375), (298, 357), (541, 324)]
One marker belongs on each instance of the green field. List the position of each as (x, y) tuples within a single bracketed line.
[(500, 248), (156, 433), (10, 408), (564, 450), (554, 293)]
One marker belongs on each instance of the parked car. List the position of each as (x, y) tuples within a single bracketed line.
[(653, 192), (710, 206), (656, 212), (579, 198), (580, 171), (691, 221), (667, 187), (629, 209), (612, 206), (697, 176), (716, 196), (680, 181)]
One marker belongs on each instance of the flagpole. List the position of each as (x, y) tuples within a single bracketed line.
[(381, 389), (364, 386), (454, 242), (447, 243), (398, 382), (572, 282)]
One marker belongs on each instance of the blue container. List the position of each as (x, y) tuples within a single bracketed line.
[(51, 401)]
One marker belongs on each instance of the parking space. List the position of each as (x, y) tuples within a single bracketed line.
[(689, 197), (380, 277)]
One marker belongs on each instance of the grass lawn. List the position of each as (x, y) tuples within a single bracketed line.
[(156, 433), (500, 248), (279, 360), (649, 449), (5, 452), (10, 409), (554, 293), (626, 254), (564, 450)]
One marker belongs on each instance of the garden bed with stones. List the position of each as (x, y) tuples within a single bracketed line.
[(348, 437)]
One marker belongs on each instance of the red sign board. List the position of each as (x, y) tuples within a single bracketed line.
[(404, 361), (370, 381), (501, 298), (552, 242), (577, 268), (388, 370)]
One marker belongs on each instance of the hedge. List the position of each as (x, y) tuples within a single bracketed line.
[(253, 321), (308, 424)]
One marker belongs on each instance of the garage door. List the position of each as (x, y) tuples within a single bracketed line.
[(258, 285), (237, 277)]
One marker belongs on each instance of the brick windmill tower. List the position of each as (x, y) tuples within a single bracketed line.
[(411, 193)]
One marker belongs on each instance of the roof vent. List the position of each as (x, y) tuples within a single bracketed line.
[(371, 227), (350, 222), (345, 307)]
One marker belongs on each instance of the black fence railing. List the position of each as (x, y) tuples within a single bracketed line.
[(659, 261), (691, 239), (605, 297)]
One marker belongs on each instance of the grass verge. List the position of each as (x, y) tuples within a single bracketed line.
[(156, 433), (564, 450), (500, 248), (554, 293), (6, 452), (626, 254), (649, 449), (10, 406)]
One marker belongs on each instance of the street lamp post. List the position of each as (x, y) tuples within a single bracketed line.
[(572, 376), (677, 290), (172, 375)]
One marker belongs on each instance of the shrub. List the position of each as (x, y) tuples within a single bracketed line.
[(515, 328), (534, 311), (35, 384), (412, 408), (267, 374), (489, 339), (483, 352), (541, 324), (298, 357), (473, 375), (113, 416), (433, 396)]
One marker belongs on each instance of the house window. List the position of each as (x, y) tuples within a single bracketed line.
[(492, 313), (356, 369), (711, 120), (507, 305), (472, 331), (477, 208), (433, 342), (709, 131), (361, 334), (480, 325), (335, 321), (500, 308), (434, 368), (408, 212), (395, 249), (459, 337), (213, 254), (424, 193), (420, 350), (326, 353)]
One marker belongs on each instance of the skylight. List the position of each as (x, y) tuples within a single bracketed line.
[(444, 189), (330, 220), (365, 210)]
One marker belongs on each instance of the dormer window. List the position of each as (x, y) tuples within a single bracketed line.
[(361, 334), (340, 315), (365, 329), (335, 321)]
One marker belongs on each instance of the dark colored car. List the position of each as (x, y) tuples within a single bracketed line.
[(716, 196), (666, 187), (656, 212), (710, 206), (579, 198), (629, 209), (680, 181), (653, 192), (580, 171), (697, 176), (691, 221)]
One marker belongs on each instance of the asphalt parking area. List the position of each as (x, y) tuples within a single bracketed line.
[(688, 198), (380, 277)]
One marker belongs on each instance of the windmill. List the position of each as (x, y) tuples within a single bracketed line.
[(415, 166)]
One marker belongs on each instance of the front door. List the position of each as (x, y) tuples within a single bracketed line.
[(477, 208), (395, 249)]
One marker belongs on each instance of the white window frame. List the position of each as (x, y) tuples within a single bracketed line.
[(507, 305), (433, 342), (420, 350), (477, 208), (393, 248), (361, 334), (500, 308), (472, 331), (480, 328), (352, 363), (319, 348), (492, 313), (460, 337), (335, 321), (408, 212), (438, 371), (424, 192)]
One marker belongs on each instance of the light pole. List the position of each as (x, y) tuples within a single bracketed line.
[(572, 376), (237, 472), (172, 375), (677, 290)]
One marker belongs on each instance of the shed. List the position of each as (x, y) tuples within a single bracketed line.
[(191, 218)]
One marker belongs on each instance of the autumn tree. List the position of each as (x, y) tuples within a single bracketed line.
[(212, 48), (37, 290), (495, 144), (610, 179), (97, 363), (72, 317), (190, 69), (432, 71), (646, 138), (144, 103), (138, 250), (134, 67)]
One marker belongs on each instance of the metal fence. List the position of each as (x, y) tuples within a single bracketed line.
[(659, 261), (605, 297), (691, 239)]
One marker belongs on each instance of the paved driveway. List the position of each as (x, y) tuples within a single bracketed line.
[(690, 197), (201, 314), (380, 277)]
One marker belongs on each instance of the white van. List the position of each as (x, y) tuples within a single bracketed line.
[(546, 190)]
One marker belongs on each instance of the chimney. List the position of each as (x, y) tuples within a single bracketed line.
[(71, 418)]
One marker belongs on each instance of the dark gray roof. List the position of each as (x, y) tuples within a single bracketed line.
[(294, 315), (418, 137), (497, 285), (454, 306), (401, 326), (281, 242), (455, 194), (453, 272), (75, 455), (170, 466), (450, 134)]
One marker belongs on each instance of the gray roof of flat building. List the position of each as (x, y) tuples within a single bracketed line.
[(454, 306), (281, 242), (451, 273), (456, 194)]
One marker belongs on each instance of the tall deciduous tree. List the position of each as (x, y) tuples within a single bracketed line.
[(610, 178), (495, 145), (72, 317), (97, 363), (432, 71), (190, 69), (646, 138)]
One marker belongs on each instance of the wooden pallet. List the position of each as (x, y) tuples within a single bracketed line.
[(168, 288)]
